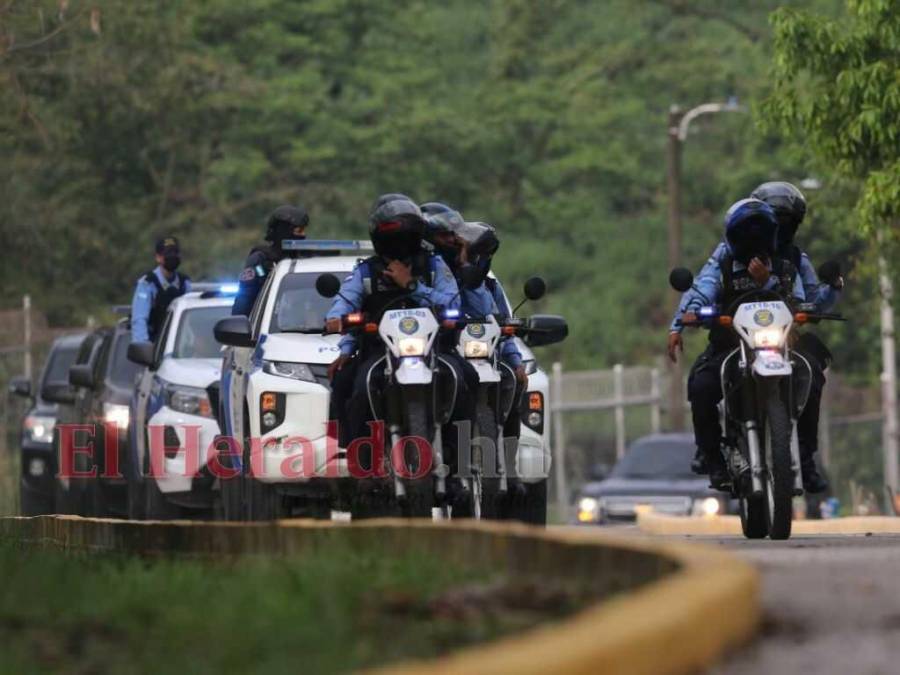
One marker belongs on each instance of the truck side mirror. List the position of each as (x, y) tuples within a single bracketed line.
[(141, 353), (234, 331), (82, 375), (546, 329), (20, 386)]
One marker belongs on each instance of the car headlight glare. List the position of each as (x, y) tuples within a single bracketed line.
[(588, 510), (477, 349), (39, 428), (295, 371), (116, 414), (411, 346), (188, 400), (768, 337), (707, 506)]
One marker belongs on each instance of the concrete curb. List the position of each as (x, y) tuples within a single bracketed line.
[(655, 523), (685, 607)]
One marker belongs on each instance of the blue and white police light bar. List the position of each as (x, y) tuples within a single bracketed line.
[(325, 245)]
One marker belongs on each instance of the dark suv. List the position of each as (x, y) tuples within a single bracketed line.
[(39, 461), (104, 384)]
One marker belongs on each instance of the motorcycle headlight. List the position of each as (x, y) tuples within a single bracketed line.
[(768, 337), (412, 346), (296, 371), (188, 400), (39, 428), (116, 414), (477, 349)]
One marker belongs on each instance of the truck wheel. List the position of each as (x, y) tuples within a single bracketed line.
[(33, 503), (157, 506)]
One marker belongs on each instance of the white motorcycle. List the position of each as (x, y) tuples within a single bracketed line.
[(487, 469), (765, 386), (414, 397)]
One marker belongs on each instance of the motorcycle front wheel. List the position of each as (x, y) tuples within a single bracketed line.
[(780, 477), (419, 499)]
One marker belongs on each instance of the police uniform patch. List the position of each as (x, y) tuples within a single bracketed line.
[(476, 330), (763, 317), (247, 274), (408, 325)]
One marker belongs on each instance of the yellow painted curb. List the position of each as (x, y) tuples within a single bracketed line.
[(685, 605), (656, 523)]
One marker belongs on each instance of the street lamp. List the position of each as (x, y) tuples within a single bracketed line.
[(679, 124)]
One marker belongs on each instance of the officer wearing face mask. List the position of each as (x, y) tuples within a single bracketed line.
[(286, 223), (156, 290)]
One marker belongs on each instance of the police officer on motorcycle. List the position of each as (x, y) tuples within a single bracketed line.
[(401, 274), (789, 205), (156, 290), (285, 223), (750, 262)]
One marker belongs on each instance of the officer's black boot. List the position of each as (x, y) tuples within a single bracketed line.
[(813, 482), (698, 464), (718, 472)]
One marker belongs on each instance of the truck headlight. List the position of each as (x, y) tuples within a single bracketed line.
[(411, 346), (188, 400), (768, 337), (588, 510), (116, 414), (39, 428), (295, 371), (530, 366), (477, 349)]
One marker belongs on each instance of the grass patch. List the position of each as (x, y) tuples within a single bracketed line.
[(338, 610)]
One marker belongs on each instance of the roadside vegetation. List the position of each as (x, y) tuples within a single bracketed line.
[(338, 610)]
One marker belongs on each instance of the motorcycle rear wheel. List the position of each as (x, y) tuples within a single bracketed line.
[(754, 521)]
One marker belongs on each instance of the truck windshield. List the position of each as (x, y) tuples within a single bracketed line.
[(298, 306), (57, 368), (195, 339)]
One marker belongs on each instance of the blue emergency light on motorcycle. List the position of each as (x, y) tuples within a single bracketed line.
[(229, 289), (707, 311), (451, 313)]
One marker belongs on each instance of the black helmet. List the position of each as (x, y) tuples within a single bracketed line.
[(789, 205), (482, 245), (286, 222), (751, 230), (396, 227), (440, 218)]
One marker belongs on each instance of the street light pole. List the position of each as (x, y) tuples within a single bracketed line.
[(673, 182), (679, 125)]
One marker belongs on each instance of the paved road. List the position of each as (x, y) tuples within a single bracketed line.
[(832, 605)]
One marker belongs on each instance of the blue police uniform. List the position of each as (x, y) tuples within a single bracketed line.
[(150, 301), (708, 286), (443, 293)]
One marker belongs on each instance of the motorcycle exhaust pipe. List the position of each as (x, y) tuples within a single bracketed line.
[(756, 468)]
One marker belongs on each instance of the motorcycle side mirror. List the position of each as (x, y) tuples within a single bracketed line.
[(328, 285), (82, 375), (546, 329), (535, 288), (20, 386), (470, 278), (681, 279), (830, 272), (234, 331), (140, 353)]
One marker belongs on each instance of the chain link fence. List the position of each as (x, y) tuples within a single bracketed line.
[(595, 414)]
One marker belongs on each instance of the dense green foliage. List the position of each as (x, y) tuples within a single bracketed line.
[(547, 119)]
